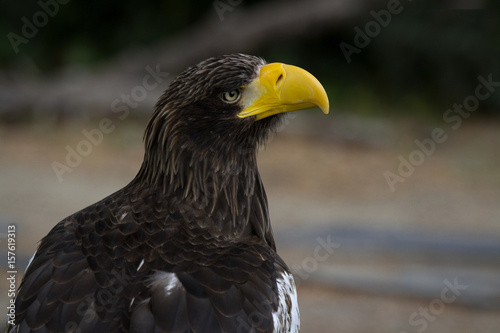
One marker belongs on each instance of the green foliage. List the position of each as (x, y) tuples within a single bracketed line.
[(85, 32)]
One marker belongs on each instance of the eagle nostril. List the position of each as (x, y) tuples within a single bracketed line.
[(279, 81)]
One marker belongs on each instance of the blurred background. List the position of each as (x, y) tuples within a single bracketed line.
[(387, 210)]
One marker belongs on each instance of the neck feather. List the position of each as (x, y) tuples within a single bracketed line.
[(220, 190)]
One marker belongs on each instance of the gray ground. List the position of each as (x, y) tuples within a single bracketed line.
[(325, 180)]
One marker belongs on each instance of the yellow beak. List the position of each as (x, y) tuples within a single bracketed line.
[(282, 88)]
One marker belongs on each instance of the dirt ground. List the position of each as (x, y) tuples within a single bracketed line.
[(316, 174)]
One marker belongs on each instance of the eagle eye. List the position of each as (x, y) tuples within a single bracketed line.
[(231, 96)]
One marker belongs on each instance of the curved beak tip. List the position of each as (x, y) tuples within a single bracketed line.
[(325, 110), (302, 88)]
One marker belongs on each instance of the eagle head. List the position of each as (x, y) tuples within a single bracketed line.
[(230, 102), (212, 118)]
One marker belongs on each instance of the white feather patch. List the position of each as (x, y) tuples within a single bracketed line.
[(131, 303), (140, 265), (287, 318), (166, 280), (31, 260)]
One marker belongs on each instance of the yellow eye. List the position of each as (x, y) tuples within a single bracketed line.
[(231, 96)]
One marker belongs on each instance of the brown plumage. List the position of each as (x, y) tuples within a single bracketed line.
[(187, 246)]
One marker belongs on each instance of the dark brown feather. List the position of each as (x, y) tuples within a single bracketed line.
[(187, 246)]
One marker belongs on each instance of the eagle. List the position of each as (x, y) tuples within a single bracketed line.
[(187, 245)]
